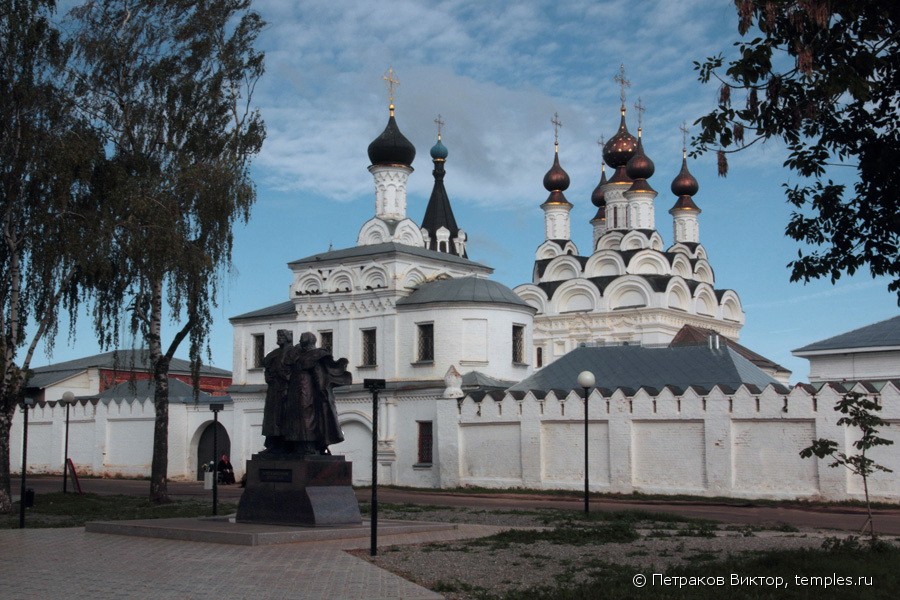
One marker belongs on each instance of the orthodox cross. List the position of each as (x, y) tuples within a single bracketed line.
[(556, 125), (601, 142), (684, 134), (391, 79), (624, 83), (640, 108), (440, 123)]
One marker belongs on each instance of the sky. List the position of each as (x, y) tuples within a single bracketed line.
[(497, 72)]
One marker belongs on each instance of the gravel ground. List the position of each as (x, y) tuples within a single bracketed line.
[(461, 569)]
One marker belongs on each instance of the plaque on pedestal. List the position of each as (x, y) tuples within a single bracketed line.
[(312, 490)]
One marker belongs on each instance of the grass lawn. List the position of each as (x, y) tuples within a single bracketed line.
[(74, 510), (567, 555), (850, 574)]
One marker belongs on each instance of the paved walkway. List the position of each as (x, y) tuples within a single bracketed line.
[(66, 563), (45, 564)]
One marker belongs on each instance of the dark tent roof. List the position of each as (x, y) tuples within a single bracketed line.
[(877, 335), (634, 367), (439, 213)]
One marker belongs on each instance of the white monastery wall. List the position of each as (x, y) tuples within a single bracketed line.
[(743, 445), (113, 439)]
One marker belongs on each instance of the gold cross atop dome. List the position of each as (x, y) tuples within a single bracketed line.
[(556, 125), (624, 83), (640, 108), (391, 79), (684, 134), (440, 123)]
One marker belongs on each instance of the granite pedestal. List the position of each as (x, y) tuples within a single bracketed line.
[(311, 490)]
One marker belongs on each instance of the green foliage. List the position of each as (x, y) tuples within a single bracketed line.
[(861, 414), (169, 84), (605, 533), (875, 576), (823, 76), (47, 217), (74, 510)]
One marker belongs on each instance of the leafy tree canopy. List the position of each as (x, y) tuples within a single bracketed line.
[(823, 76), (169, 84), (47, 217)]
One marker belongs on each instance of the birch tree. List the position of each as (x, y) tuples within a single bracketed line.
[(170, 85)]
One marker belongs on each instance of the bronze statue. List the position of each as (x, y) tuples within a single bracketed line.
[(303, 417), (277, 374)]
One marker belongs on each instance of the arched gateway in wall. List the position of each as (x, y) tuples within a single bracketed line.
[(205, 446)]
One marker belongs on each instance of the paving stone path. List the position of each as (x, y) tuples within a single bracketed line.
[(44, 564)]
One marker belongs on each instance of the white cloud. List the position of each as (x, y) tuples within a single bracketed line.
[(496, 71)]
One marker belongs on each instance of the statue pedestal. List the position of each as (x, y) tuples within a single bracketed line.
[(310, 490)]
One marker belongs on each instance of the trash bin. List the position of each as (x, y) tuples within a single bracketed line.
[(29, 497), (208, 480)]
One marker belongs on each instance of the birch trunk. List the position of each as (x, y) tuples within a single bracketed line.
[(160, 463)]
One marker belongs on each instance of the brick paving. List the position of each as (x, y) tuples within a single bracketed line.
[(70, 563)]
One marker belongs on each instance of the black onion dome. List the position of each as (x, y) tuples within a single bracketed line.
[(598, 197), (392, 147), (556, 179), (620, 147), (684, 183), (639, 165)]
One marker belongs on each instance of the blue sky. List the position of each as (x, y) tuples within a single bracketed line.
[(497, 72)]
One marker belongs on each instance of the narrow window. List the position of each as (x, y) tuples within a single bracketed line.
[(425, 442), (539, 358), (327, 338), (518, 343), (368, 348), (259, 350), (425, 351)]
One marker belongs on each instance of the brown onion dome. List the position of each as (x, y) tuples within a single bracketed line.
[(620, 147), (392, 147), (639, 165), (598, 197), (601, 214), (684, 183), (556, 181)]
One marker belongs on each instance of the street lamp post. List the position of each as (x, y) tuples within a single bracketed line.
[(215, 408), (68, 399), (26, 404), (586, 381), (373, 385)]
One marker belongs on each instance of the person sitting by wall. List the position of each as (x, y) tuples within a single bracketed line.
[(226, 470)]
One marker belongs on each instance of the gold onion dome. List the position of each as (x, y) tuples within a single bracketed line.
[(684, 186), (392, 147), (556, 181)]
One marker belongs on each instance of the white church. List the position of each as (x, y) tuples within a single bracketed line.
[(481, 378)]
